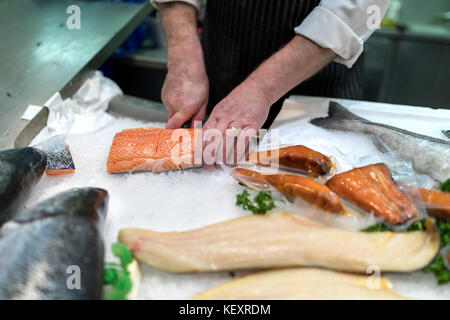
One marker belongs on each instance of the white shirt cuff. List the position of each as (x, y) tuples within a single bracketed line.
[(327, 30), (196, 3)]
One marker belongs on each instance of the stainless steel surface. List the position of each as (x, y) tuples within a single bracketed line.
[(138, 108), (40, 55), (119, 106), (148, 58)]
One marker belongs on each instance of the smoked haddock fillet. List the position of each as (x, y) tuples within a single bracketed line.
[(302, 284), (151, 149), (280, 240)]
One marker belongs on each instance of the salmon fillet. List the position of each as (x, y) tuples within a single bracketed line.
[(151, 149), (294, 157), (293, 186), (437, 203), (372, 189)]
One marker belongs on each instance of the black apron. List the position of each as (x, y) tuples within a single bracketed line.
[(240, 34)]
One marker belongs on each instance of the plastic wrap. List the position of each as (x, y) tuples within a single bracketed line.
[(84, 112), (354, 217)]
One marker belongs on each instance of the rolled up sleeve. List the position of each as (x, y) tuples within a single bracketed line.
[(196, 3), (343, 26)]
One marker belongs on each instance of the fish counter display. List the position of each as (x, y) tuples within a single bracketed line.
[(200, 228)]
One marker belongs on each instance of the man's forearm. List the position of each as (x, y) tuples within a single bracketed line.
[(297, 61), (179, 21)]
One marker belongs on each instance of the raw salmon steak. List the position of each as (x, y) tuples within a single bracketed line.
[(151, 149), (372, 189)]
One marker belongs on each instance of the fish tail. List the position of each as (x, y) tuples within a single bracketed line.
[(337, 115)]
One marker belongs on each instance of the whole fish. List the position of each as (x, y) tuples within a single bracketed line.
[(55, 250), (428, 155), (19, 170)]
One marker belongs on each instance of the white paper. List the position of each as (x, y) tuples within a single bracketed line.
[(84, 112), (31, 112)]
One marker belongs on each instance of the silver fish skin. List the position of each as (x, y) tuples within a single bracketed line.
[(42, 247), (428, 155), (20, 169), (57, 152)]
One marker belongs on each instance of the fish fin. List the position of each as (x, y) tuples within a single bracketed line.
[(379, 144), (336, 114)]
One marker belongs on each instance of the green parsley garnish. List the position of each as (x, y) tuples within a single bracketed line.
[(439, 269), (445, 186), (261, 203), (381, 227), (418, 225), (116, 274)]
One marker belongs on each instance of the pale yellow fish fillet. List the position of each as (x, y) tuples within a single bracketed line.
[(301, 284), (279, 240)]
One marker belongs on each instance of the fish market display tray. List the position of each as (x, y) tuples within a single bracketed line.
[(183, 200)]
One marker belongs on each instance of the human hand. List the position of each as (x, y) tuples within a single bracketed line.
[(186, 89), (185, 94), (236, 118)]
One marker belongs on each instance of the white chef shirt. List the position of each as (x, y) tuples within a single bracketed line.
[(340, 25)]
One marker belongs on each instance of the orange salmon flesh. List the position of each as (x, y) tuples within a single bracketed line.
[(151, 149)]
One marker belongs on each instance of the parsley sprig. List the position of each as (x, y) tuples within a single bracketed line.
[(380, 227), (116, 274), (445, 186), (438, 267), (261, 203)]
